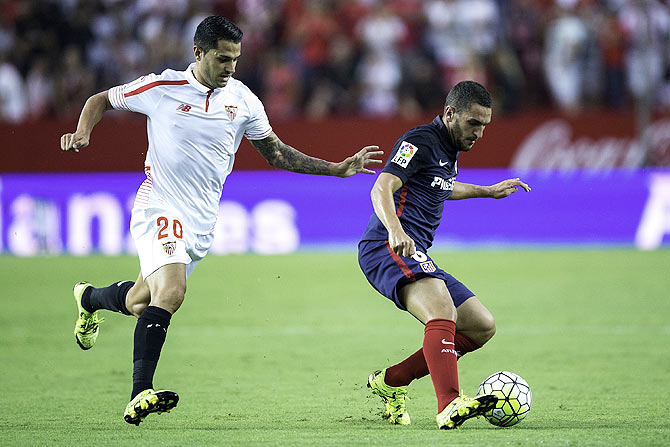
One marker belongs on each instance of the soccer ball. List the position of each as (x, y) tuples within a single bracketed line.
[(514, 398)]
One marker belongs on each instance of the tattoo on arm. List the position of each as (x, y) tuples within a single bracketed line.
[(283, 156)]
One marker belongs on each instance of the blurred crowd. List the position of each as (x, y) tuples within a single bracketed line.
[(318, 58)]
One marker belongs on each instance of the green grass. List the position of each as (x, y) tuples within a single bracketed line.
[(276, 351)]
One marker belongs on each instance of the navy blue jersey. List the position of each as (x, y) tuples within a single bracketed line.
[(425, 160)]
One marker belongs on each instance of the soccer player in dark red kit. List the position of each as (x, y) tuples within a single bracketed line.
[(408, 199)]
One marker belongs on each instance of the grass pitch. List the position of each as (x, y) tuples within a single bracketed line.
[(276, 351)]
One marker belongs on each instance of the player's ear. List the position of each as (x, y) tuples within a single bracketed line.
[(197, 52), (449, 113)]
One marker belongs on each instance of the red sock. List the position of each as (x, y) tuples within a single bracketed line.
[(438, 349), (465, 344), (415, 367)]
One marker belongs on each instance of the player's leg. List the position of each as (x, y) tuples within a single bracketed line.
[(412, 368), (428, 300), (112, 297), (382, 270), (165, 247), (139, 297), (125, 297), (475, 326), (478, 325), (122, 296), (415, 366), (167, 287)]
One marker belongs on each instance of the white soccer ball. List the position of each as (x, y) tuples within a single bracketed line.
[(514, 398)]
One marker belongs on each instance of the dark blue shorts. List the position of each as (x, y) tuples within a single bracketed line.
[(388, 272)]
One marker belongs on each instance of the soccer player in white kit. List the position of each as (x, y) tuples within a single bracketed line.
[(195, 121)]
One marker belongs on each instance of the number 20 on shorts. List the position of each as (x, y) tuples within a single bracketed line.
[(163, 223)]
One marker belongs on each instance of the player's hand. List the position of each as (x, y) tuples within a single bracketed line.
[(73, 141), (507, 187), (401, 244), (358, 162)]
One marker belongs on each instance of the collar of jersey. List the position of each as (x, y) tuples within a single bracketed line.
[(190, 77), (444, 134)]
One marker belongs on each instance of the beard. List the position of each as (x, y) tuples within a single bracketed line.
[(459, 141)]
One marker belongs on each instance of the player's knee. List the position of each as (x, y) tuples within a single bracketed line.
[(136, 309), (170, 296), (138, 299), (444, 310), (486, 328)]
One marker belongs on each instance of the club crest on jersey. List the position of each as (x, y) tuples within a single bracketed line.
[(231, 111), (169, 247), (405, 154), (428, 267)]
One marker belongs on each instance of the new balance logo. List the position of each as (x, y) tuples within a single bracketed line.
[(184, 108)]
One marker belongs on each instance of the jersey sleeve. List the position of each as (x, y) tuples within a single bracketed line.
[(136, 96), (408, 156), (258, 126)]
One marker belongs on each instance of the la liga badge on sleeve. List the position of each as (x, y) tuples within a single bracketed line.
[(405, 153)]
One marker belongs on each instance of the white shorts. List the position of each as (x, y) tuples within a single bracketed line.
[(161, 239)]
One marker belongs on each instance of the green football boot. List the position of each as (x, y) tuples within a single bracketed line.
[(87, 325), (393, 397), (463, 408), (149, 401)]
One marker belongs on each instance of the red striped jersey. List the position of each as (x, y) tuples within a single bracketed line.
[(426, 162), (194, 133)]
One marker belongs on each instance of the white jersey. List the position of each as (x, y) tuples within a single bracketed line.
[(193, 132)]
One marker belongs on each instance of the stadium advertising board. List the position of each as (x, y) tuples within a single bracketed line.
[(279, 212), (542, 139)]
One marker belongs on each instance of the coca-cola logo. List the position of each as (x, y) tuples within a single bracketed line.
[(551, 146)]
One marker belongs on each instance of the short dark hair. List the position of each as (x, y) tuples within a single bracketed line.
[(215, 28), (465, 93)]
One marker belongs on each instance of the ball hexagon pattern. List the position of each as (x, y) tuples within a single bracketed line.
[(514, 398)]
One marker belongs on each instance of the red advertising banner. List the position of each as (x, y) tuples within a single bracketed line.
[(538, 140)]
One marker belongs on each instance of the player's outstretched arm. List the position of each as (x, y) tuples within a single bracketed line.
[(283, 156), (497, 191), (91, 114)]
